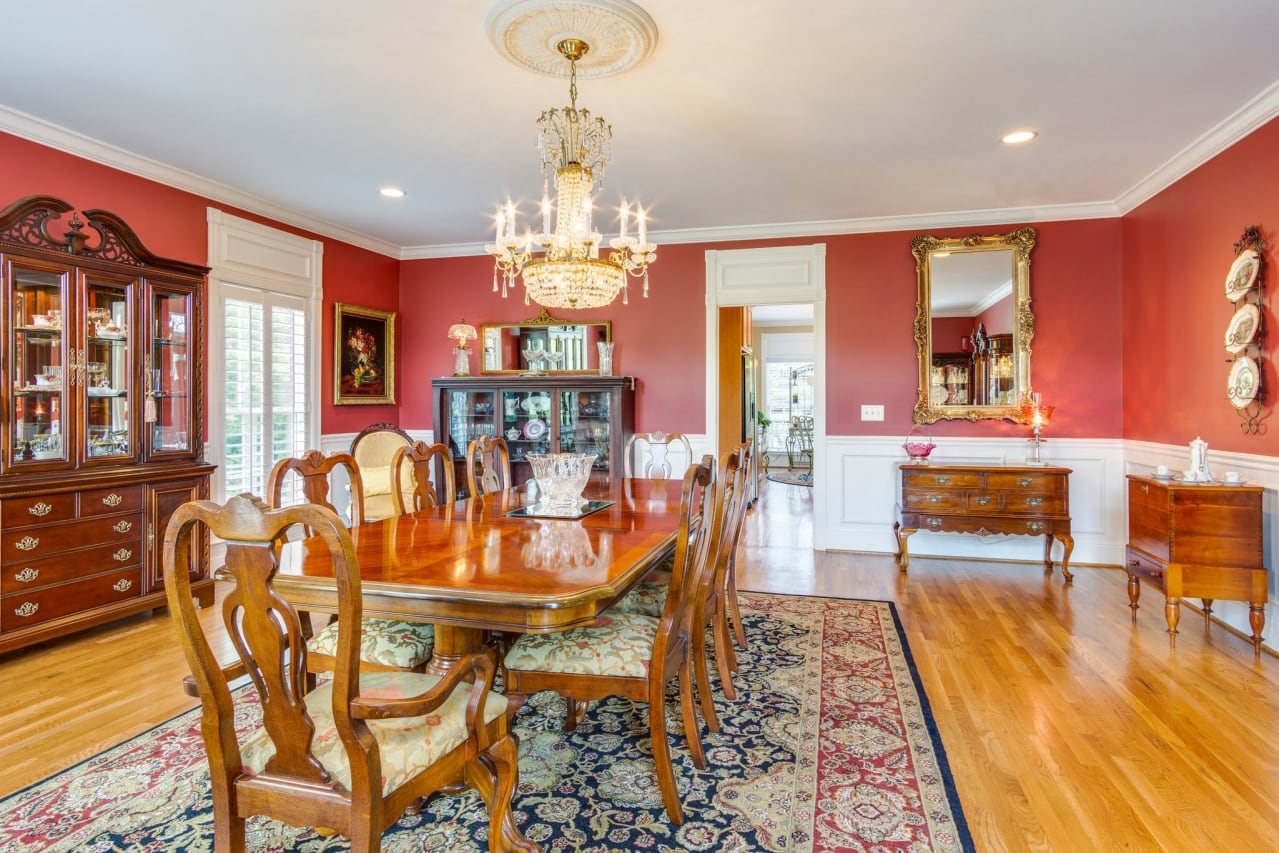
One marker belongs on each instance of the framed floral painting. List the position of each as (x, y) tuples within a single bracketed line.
[(363, 356)]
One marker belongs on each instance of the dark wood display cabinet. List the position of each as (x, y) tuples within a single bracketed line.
[(102, 427), (537, 414)]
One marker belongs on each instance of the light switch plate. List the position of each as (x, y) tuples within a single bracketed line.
[(872, 413)]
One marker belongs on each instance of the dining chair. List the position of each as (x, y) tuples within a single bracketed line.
[(351, 755), (386, 644), (656, 447), (488, 465), (374, 450), (629, 654), (414, 463)]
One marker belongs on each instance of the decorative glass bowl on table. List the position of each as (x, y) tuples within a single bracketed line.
[(561, 477), (919, 444)]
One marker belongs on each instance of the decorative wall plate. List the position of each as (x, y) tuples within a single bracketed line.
[(1243, 383), (1242, 275), (1243, 328), (534, 429)]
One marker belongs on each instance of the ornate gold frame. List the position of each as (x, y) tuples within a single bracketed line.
[(544, 318), (923, 247)]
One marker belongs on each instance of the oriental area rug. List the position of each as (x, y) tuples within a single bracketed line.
[(829, 745), (790, 476)]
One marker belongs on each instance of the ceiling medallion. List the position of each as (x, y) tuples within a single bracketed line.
[(528, 33)]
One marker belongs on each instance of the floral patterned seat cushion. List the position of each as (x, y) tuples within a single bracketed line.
[(390, 642), (406, 745), (648, 597), (620, 644)]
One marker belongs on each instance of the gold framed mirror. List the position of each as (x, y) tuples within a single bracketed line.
[(973, 325), (572, 345)]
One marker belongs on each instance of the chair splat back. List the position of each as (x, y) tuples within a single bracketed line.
[(315, 471), (420, 458), (488, 465), (656, 448)]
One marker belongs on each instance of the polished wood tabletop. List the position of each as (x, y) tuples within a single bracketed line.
[(471, 567)]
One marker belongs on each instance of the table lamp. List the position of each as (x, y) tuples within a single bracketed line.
[(462, 332), (1035, 413)]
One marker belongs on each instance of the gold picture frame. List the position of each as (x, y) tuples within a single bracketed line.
[(363, 356)]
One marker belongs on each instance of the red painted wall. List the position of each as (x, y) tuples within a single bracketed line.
[(870, 289), (173, 223), (1178, 247)]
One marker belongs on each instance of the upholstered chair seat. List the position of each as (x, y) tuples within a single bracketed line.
[(648, 597), (619, 644), (392, 643)]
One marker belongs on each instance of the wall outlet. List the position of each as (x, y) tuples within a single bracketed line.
[(872, 413)]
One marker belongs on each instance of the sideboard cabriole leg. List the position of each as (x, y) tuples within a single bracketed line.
[(1048, 553), (902, 534), (1134, 593), (1207, 611), (1257, 621), (1172, 613), (1068, 542)]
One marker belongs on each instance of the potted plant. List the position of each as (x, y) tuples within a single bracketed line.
[(762, 423)]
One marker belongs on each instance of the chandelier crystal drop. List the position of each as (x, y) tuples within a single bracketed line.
[(570, 273)]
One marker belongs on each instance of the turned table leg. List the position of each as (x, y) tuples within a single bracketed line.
[(1257, 621), (902, 534), (1172, 613), (1134, 593)]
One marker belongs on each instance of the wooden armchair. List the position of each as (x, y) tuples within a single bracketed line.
[(386, 644), (656, 448), (352, 755), (488, 466), (374, 451), (423, 495), (632, 655)]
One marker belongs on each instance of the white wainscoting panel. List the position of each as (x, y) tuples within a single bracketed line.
[(862, 495)]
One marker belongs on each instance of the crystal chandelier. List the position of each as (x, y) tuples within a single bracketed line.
[(570, 272)]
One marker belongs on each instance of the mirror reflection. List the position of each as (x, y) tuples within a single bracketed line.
[(973, 325), (543, 344)]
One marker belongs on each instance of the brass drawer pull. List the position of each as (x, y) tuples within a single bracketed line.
[(122, 555), (39, 510), (982, 501), (122, 585), (934, 499), (123, 526), (1024, 482), (28, 608), (1134, 562), (1145, 489), (113, 500), (27, 543), (942, 481), (933, 523), (27, 575), (1035, 526), (1034, 501)]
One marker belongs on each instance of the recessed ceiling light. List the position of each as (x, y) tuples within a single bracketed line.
[(392, 192), (1019, 136)]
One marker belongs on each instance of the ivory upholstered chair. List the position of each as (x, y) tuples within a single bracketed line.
[(374, 451), (413, 464), (488, 465), (631, 655), (386, 644), (352, 755), (656, 448)]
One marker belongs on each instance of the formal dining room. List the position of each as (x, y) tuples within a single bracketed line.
[(601, 425)]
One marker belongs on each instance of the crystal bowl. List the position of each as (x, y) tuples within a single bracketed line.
[(918, 450), (561, 477)]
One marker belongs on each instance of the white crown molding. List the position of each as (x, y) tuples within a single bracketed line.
[(1242, 122), (60, 138)]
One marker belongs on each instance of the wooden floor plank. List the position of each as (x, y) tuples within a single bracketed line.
[(1067, 725)]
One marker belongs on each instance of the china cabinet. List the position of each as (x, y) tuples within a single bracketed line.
[(102, 418), (537, 414)]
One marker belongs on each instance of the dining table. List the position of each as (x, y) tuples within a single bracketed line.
[(496, 563)]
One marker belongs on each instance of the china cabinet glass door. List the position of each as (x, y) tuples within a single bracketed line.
[(526, 421), (168, 377), (585, 417), (104, 379), (37, 359), (470, 416)]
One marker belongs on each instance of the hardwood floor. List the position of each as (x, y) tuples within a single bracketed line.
[(1067, 727)]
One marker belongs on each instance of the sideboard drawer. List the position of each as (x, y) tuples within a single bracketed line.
[(23, 512), (933, 481), (985, 502), (24, 545), (111, 500), (39, 573), (1026, 481), (1151, 571), (24, 609), (1032, 504), (934, 501)]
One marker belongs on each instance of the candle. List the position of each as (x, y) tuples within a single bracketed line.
[(643, 222), (622, 234), (501, 225), (510, 219), (528, 240), (546, 211)]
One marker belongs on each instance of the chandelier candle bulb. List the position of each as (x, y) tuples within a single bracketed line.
[(643, 231)]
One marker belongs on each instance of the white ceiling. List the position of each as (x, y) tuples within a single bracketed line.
[(752, 118)]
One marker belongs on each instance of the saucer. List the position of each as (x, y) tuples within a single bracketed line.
[(1231, 482), (1165, 477)]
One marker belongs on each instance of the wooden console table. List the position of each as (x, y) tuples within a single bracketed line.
[(985, 499), (1199, 541)]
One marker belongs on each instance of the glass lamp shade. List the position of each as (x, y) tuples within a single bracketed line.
[(462, 332)]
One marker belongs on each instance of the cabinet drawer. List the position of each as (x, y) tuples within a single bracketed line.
[(34, 574), (24, 609), (1026, 481), (1150, 571), (985, 502), (1029, 504), (933, 481), (934, 501), (22, 546), (110, 501), (23, 512)]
